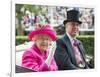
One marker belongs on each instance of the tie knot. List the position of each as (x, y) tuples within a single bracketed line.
[(75, 42)]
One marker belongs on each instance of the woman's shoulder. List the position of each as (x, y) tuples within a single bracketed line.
[(29, 52)]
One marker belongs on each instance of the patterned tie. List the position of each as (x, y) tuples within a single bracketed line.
[(78, 57), (76, 52)]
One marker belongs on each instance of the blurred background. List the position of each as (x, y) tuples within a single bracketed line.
[(27, 16)]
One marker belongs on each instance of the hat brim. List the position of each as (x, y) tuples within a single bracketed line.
[(50, 33), (65, 21)]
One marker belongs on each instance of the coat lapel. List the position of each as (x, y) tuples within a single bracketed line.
[(68, 45), (81, 51)]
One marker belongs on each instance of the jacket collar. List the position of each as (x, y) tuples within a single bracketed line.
[(68, 45), (36, 49)]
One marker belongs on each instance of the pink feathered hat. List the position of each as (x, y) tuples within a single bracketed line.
[(45, 29)]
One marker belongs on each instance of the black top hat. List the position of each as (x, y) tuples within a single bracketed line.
[(72, 15)]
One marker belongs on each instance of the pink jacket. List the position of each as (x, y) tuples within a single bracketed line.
[(35, 60)]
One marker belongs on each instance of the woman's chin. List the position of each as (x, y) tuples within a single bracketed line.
[(44, 48)]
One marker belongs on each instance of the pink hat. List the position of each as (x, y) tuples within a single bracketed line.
[(46, 29)]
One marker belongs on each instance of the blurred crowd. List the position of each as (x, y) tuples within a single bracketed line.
[(55, 15)]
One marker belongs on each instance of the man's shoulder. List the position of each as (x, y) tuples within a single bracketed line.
[(59, 41)]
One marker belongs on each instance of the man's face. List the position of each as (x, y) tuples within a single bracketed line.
[(42, 41), (72, 28)]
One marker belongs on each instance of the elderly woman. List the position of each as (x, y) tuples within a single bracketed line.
[(40, 57)]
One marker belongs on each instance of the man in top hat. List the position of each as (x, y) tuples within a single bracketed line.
[(70, 53)]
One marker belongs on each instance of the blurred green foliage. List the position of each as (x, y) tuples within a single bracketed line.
[(87, 40)]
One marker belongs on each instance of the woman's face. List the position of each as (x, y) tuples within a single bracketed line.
[(42, 41)]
